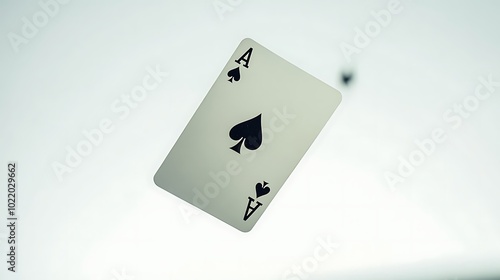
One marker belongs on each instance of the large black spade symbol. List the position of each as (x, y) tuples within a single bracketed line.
[(248, 132)]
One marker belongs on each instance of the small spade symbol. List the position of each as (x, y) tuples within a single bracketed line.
[(234, 74), (248, 132), (261, 190)]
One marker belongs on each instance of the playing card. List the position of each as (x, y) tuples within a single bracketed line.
[(251, 130)]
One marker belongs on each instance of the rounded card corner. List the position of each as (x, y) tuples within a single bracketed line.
[(246, 230), (155, 179), (340, 96), (247, 39)]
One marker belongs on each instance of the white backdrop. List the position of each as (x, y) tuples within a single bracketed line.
[(425, 92)]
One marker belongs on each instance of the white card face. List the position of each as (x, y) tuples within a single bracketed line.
[(251, 130)]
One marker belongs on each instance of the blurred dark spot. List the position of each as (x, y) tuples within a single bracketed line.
[(347, 77)]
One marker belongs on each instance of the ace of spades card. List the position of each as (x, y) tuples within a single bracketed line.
[(244, 140)]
